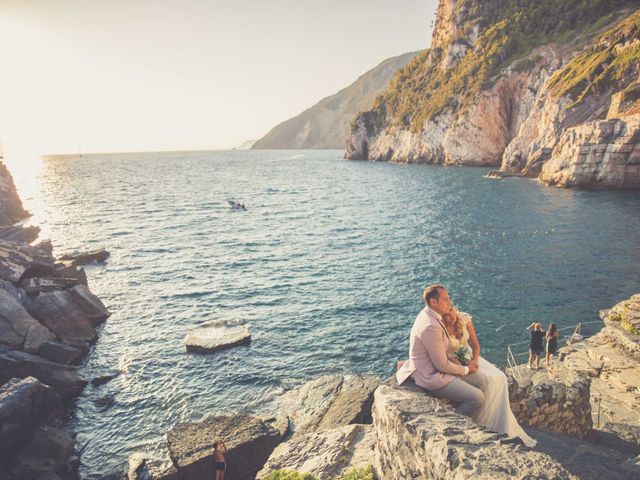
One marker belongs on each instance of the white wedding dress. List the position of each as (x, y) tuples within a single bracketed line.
[(496, 413)]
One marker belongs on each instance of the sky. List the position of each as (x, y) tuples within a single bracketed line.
[(152, 75)]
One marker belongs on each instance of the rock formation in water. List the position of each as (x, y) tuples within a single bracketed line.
[(541, 89), (325, 125)]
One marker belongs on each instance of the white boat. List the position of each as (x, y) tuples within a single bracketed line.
[(233, 205)]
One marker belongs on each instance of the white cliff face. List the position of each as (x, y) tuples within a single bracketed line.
[(451, 34), (476, 136), (597, 154)]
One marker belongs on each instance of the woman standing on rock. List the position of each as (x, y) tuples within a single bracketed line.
[(552, 341), (535, 345), (219, 449)]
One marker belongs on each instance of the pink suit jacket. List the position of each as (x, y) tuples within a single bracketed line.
[(428, 363)]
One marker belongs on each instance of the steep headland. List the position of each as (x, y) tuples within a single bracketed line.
[(543, 89), (325, 125)]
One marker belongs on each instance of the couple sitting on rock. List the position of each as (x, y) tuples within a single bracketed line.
[(444, 359)]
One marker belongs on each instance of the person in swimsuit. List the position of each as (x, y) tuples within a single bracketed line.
[(219, 449)]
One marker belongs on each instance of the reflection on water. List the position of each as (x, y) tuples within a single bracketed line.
[(327, 264)]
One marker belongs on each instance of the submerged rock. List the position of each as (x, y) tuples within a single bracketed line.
[(249, 442), (216, 335)]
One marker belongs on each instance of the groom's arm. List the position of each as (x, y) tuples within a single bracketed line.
[(433, 342)]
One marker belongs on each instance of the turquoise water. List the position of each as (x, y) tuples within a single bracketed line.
[(327, 264)]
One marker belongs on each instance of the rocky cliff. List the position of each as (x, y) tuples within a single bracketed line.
[(325, 125), (11, 209), (48, 320), (505, 82)]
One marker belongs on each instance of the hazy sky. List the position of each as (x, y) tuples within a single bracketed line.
[(131, 75)]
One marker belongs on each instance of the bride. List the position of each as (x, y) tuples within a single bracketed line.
[(496, 413)]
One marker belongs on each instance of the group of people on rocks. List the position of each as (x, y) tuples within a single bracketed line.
[(535, 345)]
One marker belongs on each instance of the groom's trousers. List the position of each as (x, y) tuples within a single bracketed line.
[(466, 391)]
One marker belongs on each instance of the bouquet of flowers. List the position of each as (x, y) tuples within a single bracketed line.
[(463, 355)]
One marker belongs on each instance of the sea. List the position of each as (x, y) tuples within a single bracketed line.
[(327, 265)]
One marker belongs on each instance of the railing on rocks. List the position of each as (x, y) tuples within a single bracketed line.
[(519, 350), (577, 334)]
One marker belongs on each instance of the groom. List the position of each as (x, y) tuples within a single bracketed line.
[(428, 363)]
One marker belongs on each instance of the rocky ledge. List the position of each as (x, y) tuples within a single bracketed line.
[(338, 423), (583, 413)]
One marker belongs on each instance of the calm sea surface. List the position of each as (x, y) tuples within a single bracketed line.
[(327, 264)]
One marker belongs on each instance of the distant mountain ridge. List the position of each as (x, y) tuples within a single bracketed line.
[(326, 124)]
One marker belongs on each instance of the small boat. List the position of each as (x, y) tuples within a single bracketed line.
[(233, 205)]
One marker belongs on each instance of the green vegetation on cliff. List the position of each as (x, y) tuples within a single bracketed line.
[(613, 58), (508, 30)]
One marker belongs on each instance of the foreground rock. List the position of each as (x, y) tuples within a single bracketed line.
[(216, 335), (71, 314), (31, 445), (18, 260), (561, 403), (420, 437), (326, 455), (18, 329), (249, 442), (329, 402), (66, 380), (24, 404), (47, 454)]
